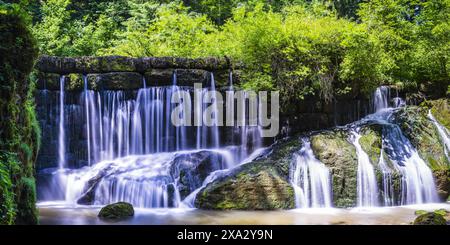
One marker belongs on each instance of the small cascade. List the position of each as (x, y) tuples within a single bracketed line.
[(132, 152), (443, 134), (61, 137), (417, 179), (367, 187), (381, 98), (215, 126), (310, 179), (88, 122), (146, 181), (388, 189)]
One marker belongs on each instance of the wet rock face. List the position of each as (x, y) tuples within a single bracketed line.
[(333, 149), (115, 81), (259, 185), (118, 210)]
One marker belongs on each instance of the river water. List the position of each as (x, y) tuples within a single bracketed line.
[(53, 213)]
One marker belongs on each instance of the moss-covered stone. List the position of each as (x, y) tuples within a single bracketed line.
[(333, 149), (371, 142), (431, 218), (261, 184), (117, 210)]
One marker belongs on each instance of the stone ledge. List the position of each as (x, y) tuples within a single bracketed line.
[(105, 64)]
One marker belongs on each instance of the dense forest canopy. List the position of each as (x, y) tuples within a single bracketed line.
[(300, 47)]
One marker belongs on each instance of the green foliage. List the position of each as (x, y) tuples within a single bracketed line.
[(8, 164), (302, 48), (18, 126)]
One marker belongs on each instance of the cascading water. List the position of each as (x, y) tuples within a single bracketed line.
[(417, 183), (381, 98), (388, 191), (61, 138), (417, 179), (443, 134), (367, 188), (133, 151), (311, 179)]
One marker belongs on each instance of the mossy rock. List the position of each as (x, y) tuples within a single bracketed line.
[(260, 185), (119, 210), (431, 218), (440, 110), (420, 130), (333, 149), (371, 142)]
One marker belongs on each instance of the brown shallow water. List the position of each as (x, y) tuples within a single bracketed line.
[(60, 213)]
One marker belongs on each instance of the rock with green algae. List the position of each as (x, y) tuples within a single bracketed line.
[(430, 218), (259, 185), (117, 210), (422, 133), (334, 150)]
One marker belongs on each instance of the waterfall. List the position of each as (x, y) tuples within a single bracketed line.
[(88, 122), (215, 127), (367, 188), (310, 179), (417, 185), (443, 134), (61, 137), (388, 191), (132, 152), (381, 98)]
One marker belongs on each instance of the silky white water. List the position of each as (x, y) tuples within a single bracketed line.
[(135, 154), (367, 188), (61, 138), (310, 179)]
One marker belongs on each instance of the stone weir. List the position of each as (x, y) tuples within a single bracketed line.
[(126, 73)]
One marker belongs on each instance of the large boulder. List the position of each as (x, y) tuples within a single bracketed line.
[(334, 150), (191, 169), (259, 185), (118, 210)]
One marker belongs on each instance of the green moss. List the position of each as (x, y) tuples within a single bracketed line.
[(370, 142), (430, 218), (74, 82), (118, 210)]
